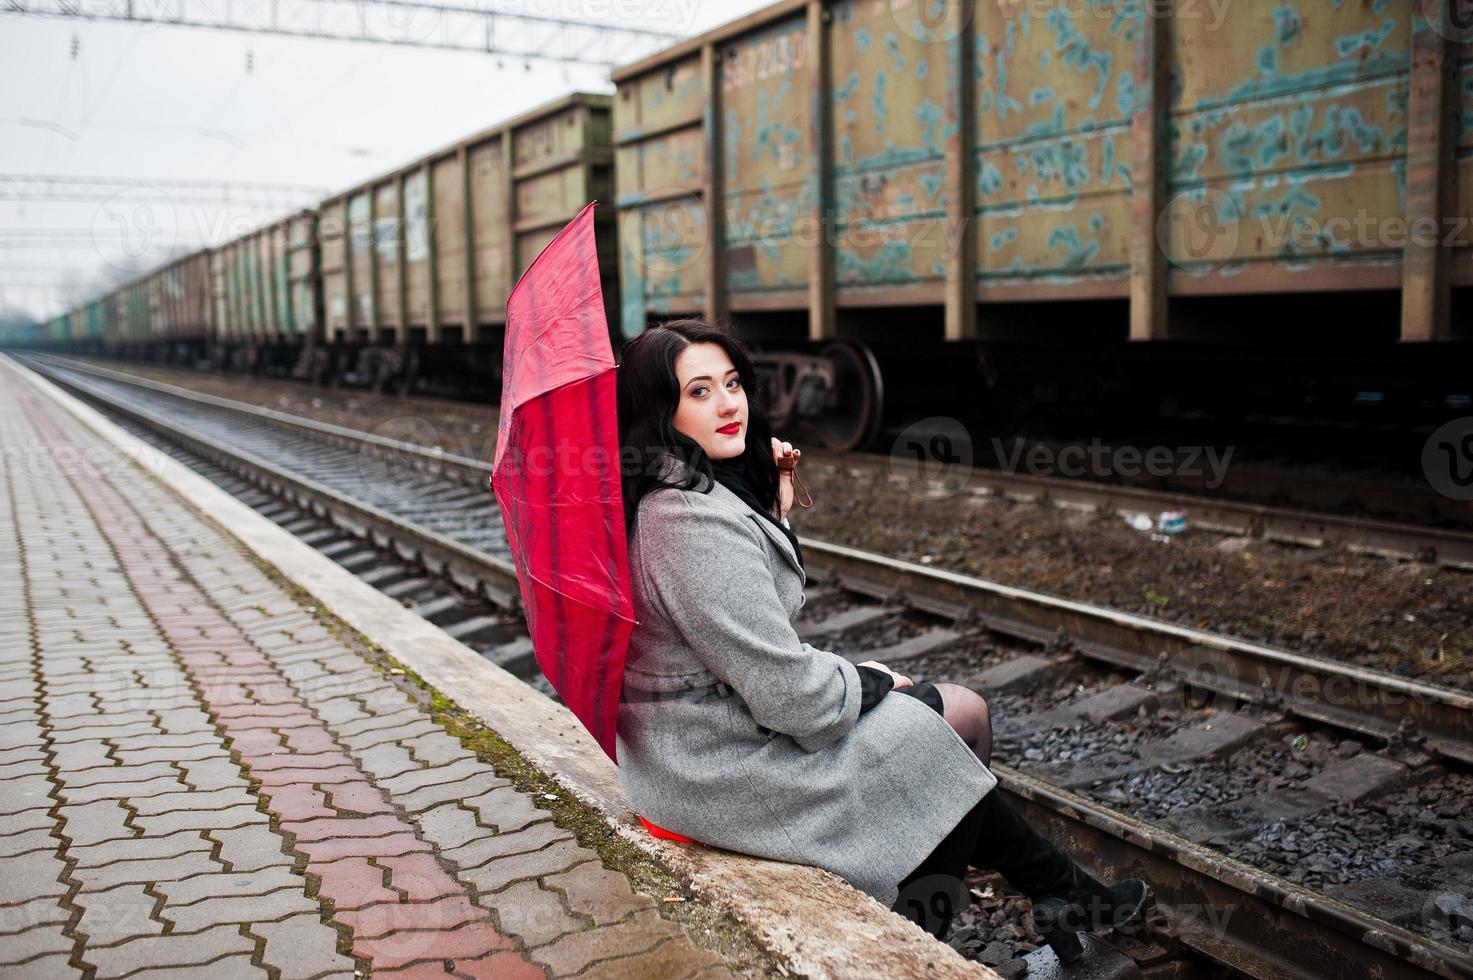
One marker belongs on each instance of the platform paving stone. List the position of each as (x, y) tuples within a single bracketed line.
[(32, 943), (176, 950), (240, 908), (202, 779), (32, 875), (119, 914), (575, 951), (26, 842), (21, 916)]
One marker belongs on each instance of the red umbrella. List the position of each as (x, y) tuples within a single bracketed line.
[(556, 477)]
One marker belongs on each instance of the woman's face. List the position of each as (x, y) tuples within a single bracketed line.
[(713, 404)]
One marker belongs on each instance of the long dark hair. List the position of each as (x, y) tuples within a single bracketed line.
[(649, 394)]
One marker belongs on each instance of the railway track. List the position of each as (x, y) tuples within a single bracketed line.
[(1164, 698), (1446, 546), (1326, 511)]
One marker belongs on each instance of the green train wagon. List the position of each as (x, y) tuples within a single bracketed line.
[(258, 298)]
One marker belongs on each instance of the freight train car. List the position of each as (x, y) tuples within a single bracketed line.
[(20, 336), (400, 282), (257, 303), (92, 327), (1077, 197), (132, 316), (56, 332), (417, 264), (162, 315)]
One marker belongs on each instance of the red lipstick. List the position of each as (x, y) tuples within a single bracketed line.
[(731, 429)]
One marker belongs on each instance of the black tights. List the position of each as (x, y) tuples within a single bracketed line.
[(967, 713), (991, 835)]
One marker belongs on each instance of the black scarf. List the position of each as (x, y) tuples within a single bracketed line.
[(729, 473)]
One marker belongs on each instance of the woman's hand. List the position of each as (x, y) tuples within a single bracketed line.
[(786, 458), (900, 681)]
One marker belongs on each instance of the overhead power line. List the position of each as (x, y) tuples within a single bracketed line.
[(91, 270), (96, 189), (39, 238), (412, 23), (45, 285)]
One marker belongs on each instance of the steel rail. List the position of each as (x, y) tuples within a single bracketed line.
[(1228, 911), (1354, 699), (469, 567), (1287, 931), (1449, 547), (1445, 546)]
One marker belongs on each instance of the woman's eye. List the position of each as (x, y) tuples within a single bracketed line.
[(698, 391), (734, 383)]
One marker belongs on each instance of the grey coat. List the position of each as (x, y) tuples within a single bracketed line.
[(778, 764)]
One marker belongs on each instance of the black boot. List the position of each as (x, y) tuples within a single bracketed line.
[(1087, 906)]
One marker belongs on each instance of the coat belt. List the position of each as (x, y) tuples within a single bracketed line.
[(636, 695)]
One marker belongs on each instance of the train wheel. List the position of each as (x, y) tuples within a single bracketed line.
[(856, 401)]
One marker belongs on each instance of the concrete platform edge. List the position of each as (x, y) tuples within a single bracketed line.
[(811, 920)]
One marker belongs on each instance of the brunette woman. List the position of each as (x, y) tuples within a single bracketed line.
[(738, 734)]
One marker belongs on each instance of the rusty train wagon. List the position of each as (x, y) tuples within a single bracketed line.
[(262, 299), (184, 319), (417, 264), (873, 191), (132, 310), (89, 334), (160, 315), (21, 336)]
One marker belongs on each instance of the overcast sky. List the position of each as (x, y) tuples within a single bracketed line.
[(148, 101)]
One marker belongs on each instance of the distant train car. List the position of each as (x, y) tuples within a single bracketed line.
[(990, 177), (417, 264), (132, 316), (400, 282), (179, 296), (56, 332), (94, 314), (21, 335), (257, 299)]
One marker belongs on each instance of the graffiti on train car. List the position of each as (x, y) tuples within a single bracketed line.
[(765, 173), (1054, 97), (889, 166), (1286, 130)]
